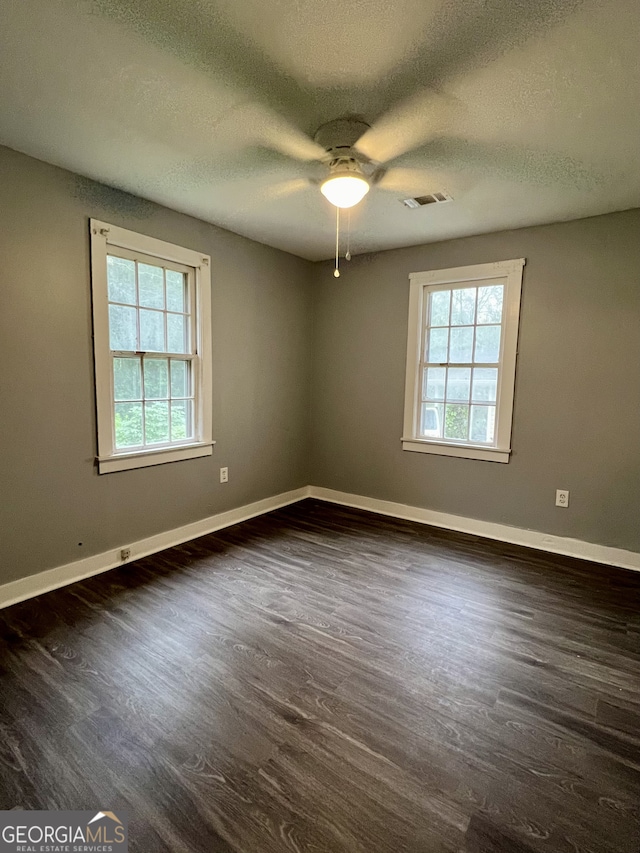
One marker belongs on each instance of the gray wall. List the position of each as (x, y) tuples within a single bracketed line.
[(52, 499), (577, 408)]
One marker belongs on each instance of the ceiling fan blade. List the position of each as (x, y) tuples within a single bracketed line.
[(284, 189), (268, 193), (204, 38), (457, 42), (407, 180), (415, 182), (513, 163), (409, 124), (273, 131), (465, 36)]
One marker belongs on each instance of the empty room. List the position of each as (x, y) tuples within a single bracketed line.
[(320, 426)]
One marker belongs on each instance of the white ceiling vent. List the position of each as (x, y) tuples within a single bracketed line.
[(432, 198)]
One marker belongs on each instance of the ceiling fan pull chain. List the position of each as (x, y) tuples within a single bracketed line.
[(347, 257), (336, 271)]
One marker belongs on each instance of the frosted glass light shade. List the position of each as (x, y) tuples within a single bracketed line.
[(345, 190)]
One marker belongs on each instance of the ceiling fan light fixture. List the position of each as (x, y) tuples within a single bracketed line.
[(345, 188)]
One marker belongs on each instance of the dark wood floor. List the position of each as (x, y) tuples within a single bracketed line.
[(328, 680)]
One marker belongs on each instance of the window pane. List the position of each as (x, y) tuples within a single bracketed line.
[(439, 311), (122, 328), (156, 378), (121, 278), (176, 333), (456, 422), (482, 423), (156, 421), (175, 290), (152, 331), (431, 420), (490, 303), (461, 347), (459, 384), (463, 306), (150, 286), (179, 378), (181, 420), (126, 379), (485, 383), (433, 387), (128, 423), (438, 341), (487, 343)]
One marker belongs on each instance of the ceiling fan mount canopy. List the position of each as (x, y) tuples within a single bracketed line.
[(339, 137)]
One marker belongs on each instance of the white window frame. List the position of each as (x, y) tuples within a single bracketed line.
[(106, 237), (421, 284)]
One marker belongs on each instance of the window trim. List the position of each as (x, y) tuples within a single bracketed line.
[(511, 272), (103, 237)]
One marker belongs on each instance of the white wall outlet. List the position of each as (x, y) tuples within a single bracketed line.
[(224, 475), (562, 497), (125, 554)]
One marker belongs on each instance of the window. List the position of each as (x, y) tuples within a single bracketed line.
[(461, 360), (152, 344)]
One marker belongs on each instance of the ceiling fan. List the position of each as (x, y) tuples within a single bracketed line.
[(357, 156), (347, 148), (350, 172)]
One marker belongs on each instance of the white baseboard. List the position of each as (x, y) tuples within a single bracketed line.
[(38, 584), (489, 530), (19, 590)]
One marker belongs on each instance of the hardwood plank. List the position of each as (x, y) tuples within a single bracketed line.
[(329, 680)]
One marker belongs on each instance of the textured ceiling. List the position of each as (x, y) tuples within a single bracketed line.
[(526, 111)]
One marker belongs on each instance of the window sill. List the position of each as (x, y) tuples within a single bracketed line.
[(488, 454), (145, 458)]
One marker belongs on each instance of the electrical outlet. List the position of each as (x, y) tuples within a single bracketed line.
[(125, 554), (562, 497), (224, 475)]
